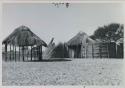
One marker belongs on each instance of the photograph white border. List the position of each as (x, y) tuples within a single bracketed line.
[(50, 1)]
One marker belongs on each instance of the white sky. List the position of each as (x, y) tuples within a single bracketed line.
[(62, 23)]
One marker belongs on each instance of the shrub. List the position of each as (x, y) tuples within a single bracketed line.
[(60, 51)]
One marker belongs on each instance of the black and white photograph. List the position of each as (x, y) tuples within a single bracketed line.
[(62, 44)]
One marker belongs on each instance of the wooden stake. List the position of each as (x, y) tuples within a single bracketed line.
[(107, 51), (19, 53), (23, 52), (31, 53), (15, 53), (27, 52), (10, 51), (86, 51), (92, 51), (100, 51), (41, 53), (5, 51)]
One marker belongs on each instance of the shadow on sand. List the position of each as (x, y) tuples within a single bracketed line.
[(50, 60)]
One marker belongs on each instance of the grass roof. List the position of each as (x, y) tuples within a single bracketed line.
[(23, 36), (80, 38)]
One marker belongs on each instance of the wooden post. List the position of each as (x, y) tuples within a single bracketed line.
[(37, 52), (41, 53), (15, 53), (68, 52), (10, 51), (92, 51), (81, 50), (27, 53), (63, 50), (23, 52), (107, 51), (116, 50), (31, 53), (19, 53), (76, 51), (5, 51), (100, 51), (86, 51)]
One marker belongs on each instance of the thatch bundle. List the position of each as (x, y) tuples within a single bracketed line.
[(49, 50), (80, 39), (23, 36)]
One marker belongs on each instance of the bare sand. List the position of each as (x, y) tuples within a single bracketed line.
[(76, 72)]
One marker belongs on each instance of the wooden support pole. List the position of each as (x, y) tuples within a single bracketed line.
[(27, 53), (63, 51), (77, 51), (86, 51), (23, 52), (41, 53), (19, 53), (31, 53), (10, 51), (92, 51), (37, 53), (107, 51), (100, 51), (15, 53), (5, 51), (81, 51), (116, 50)]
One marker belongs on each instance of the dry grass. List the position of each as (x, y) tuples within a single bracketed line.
[(75, 72)]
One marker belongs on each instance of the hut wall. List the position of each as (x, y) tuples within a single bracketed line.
[(112, 50), (89, 51), (97, 50), (71, 53)]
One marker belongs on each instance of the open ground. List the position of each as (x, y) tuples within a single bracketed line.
[(74, 72)]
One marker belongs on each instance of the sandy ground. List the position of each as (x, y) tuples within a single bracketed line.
[(75, 72)]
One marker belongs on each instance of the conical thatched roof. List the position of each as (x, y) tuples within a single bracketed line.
[(80, 38), (23, 36)]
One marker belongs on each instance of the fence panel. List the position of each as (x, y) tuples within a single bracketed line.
[(101, 50)]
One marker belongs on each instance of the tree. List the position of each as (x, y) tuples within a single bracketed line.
[(108, 33)]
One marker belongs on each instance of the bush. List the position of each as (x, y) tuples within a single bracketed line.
[(60, 51)]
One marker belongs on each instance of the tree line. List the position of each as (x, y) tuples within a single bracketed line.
[(111, 32)]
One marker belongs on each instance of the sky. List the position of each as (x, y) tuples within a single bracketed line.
[(47, 21)]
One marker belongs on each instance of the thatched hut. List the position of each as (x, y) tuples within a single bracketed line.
[(77, 45), (23, 38)]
